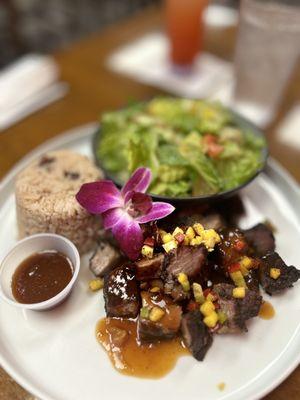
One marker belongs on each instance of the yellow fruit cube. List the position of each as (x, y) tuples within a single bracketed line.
[(239, 292), (198, 293), (211, 320), (246, 262), (156, 314), (198, 228), (275, 273), (176, 231), (190, 233), (147, 251), (167, 237), (96, 284), (184, 282), (170, 246), (207, 308), (196, 241)]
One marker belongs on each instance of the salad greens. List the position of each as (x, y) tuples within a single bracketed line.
[(193, 147)]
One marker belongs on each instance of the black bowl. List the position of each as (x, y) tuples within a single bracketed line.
[(193, 200)]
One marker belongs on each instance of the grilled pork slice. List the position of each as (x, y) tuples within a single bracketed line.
[(105, 258), (195, 334), (121, 292), (285, 275), (237, 311), (261, 239), (150, 327), (187, 260), (149, 268)]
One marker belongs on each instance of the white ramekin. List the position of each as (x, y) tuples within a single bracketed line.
[(25, 248)]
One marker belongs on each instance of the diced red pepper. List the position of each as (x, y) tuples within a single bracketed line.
[(239, 245), (149, 241), (234, 267), (212, 147), (192, 306), (180, 237), (206, 292)]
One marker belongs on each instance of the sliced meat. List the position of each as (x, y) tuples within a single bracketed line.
[(165, 328), (121, 292), (261, 239), (237, 311), (252, 280), (186, 259), (288, 274), (105, 258), (149, 268), (195, 334)]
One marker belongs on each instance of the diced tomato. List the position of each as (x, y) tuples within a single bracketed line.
[(234, 267), (149, 241), (239, 245), (211, 146), (192, 306)]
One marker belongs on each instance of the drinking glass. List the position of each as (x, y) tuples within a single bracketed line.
[(268, 47), (184, 29)]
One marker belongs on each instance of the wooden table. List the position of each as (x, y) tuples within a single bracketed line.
[(93, 89)]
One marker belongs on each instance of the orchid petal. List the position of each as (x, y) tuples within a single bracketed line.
[(138, 182), (98, 197), (159, 210), (129, 236), (112, 217)]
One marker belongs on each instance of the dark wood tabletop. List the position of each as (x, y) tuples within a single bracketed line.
[(93, 89)]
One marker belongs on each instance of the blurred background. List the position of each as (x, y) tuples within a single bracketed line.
[(47, 25)]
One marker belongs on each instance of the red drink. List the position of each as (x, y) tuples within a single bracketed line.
[(185, 29)]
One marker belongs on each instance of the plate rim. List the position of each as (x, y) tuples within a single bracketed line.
[(84, 131)]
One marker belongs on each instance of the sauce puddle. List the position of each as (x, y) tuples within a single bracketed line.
[(119, 339), (266, 310)]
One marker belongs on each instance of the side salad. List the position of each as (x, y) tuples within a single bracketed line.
[(193, 147)]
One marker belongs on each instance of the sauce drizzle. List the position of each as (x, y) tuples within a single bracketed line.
[(266, 310), (129, 357)]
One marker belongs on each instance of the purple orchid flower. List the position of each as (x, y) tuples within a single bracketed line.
[(124, 210)]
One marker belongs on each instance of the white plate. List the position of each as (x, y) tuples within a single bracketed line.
[(55, 355)]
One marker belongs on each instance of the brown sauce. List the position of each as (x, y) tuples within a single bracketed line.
[(266, 310), (129, 357), (41, 276)]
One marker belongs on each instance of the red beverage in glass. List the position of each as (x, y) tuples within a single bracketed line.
[(185, 29)]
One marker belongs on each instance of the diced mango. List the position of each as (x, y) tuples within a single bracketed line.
[(190, 233), (239, 292), (167, 237), (184, 282), (198, 293), (211, 320), (275, 273), (96, 284), (238, 279), (170, 245), (210, 238), (207, 308), (156, 314), (177, 230), (147, 251), (246, 262), (196, 241), (198, 228)]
